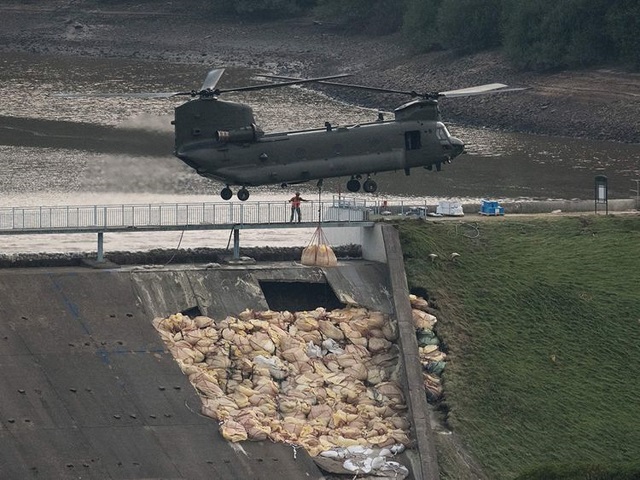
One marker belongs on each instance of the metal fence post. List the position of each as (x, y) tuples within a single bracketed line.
[(236, 243)]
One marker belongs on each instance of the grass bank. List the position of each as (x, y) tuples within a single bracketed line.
[(541, 321)]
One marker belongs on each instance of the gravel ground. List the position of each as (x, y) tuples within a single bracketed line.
[(596, 103)]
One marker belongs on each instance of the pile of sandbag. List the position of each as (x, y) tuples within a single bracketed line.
[(320, 379), (431, 357), (358, 461), (318, 252)]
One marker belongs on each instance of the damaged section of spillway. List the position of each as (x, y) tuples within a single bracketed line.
[(323, 380)]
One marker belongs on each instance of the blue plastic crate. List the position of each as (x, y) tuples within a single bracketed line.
[(490, 207)]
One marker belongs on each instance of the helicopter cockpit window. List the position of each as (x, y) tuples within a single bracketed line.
[(412, 140), (442, 132)]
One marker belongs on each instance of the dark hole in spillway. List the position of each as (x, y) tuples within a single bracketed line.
[(298, 296), (192, 312)]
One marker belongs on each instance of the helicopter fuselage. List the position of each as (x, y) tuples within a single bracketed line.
[(220, 139), (238, 153), (299, 156)]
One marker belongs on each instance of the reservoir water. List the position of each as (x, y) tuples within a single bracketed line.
[(89, 151)]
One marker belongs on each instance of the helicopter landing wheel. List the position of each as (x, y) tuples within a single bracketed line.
[(243, 194), (369, 186), (226, 193), (353, 185)]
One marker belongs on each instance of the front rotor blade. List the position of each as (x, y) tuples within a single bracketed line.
[(351, 85), (283, 84), (121, 95), (212, 79)]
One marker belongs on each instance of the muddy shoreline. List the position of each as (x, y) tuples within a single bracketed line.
[(597, 103)]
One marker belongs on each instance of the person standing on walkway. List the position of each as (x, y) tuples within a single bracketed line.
[(295, 206)]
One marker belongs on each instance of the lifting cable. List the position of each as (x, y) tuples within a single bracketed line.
[(175, 252), (320, 202)]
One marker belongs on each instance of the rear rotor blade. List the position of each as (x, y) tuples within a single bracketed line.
[(208, 85), (212, 79), (462, 92)]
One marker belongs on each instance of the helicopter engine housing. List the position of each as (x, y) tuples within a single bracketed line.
[(202, 119), (239, 135)]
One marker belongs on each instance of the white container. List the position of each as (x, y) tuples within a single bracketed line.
[(450, 209)]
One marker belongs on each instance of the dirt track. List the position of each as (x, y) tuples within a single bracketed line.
[(596, 103)]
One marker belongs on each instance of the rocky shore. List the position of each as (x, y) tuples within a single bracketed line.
[(598, 103)]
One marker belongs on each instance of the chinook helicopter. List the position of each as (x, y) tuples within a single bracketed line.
[(220, 139)]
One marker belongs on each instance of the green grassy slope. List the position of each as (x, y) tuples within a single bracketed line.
[(541, 319)]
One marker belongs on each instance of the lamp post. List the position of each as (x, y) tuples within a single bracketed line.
[(601, 194), (637, 192)]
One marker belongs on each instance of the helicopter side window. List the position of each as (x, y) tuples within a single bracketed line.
[(412, 140)]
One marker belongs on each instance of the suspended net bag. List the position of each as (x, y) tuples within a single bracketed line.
[(318, 252)]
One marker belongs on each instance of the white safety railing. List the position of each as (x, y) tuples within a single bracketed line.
[(106, 217), (376, 206)]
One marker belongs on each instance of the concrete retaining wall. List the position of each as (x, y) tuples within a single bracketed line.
[(426, 465)]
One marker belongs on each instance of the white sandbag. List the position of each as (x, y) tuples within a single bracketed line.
[(233, 431), (390, 330), (423, 319), (277, 368), (203, 322), (207, 384), (313, 336), (318, 252), (330, 331), (306, 323), (379, 345), (325, 257), (309, 254), (246, 315), (314, 351), (332, 346), (261, 342), (418, 303), (358, 371), (391, 391), (266, 387)]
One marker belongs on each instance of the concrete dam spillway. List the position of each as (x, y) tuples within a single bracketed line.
[(88, 390)]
